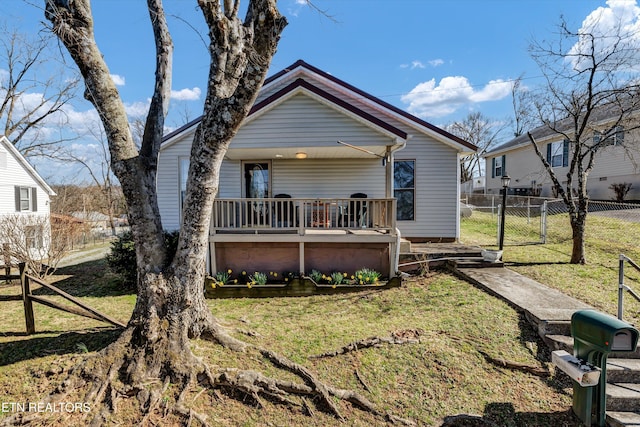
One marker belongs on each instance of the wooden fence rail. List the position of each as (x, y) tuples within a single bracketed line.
[(28, 298)]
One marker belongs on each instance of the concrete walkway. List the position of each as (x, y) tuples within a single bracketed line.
[(548, 309)]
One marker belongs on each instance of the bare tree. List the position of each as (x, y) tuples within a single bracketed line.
[(39, 241), (522, 103), (31, 91), (590, 96), (480, 131), (99, 169), (154, 351)]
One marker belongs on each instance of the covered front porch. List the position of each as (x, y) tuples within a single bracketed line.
[(304, 234)]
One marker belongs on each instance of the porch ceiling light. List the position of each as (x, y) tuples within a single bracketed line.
[(301, 155)]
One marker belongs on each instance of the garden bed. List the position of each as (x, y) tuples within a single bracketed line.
[(295, 288)]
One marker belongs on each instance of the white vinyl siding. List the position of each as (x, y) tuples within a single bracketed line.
[(327, 178), (436, 195), (168, 182), (13, 176), (305, 122)]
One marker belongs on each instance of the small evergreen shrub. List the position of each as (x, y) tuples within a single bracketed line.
[(122, 257)]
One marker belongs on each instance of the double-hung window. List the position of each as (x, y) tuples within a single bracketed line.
[(558, 153), (404, 189), (34, 235), (26, 199), (615, 136), (498, 167)]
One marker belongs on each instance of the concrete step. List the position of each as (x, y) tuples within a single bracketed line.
[(623, 397), (623, 370), (405, 245), (559, 342), (476, 262), (623, 419), (551, 327)]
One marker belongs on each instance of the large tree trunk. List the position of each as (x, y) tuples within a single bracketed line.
[(154, 351)]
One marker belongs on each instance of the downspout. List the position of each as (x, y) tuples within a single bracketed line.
[(458, 177)]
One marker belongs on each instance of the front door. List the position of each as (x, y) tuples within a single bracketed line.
[(257, 185)]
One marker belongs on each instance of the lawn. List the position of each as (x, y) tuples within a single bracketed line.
[(447, 373), (595, 283)]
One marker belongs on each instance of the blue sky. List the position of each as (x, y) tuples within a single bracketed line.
[(439, 60)]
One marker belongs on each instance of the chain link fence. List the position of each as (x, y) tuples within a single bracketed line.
[(535, 220)]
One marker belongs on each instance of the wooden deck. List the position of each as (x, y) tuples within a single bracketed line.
[(298, 235)]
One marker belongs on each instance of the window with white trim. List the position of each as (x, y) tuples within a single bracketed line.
[(184, 173), (404, 189), (26, 199), (558, 153), (498, 169), (34, 235)]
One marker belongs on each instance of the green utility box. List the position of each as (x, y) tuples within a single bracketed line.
[(595, 336)]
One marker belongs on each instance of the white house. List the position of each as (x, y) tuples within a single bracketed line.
[(24, 201), (322, 175)]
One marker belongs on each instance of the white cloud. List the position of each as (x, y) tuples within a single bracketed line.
[(618, 18), (417, 64), (118, 80), (138, 109), (429, 99), (186, 94)]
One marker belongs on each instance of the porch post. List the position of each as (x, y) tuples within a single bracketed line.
[(301, 257), (212, 258), (388, 175)]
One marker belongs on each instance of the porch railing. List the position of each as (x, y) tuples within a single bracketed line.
[(298, 215)]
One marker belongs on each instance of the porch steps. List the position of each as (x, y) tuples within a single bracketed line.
[(623, 382), (421, 255)]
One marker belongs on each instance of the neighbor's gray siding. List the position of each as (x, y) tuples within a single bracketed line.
[(613, 164)]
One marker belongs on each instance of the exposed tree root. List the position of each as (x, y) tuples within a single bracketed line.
[(535, 370), (540, 371), (402, 336), (161, 374)]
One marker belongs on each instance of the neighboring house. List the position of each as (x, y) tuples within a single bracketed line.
[(322, 175), (473, 186), (24, 203), (616, 163), (96, 221)]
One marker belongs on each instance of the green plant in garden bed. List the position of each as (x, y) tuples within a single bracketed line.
[(364, 276), (258, 278), (367, 276), (225, 277)]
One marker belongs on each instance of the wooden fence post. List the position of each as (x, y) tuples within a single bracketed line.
[(26, 300), (7, 258)]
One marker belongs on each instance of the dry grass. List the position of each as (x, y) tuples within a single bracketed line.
[(442, 375)]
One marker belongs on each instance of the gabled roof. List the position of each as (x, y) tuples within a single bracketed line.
[(299, 68), (25, 165), (301, 83)]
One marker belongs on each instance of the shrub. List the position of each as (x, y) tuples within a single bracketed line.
[(122, 257), (620, 189)]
